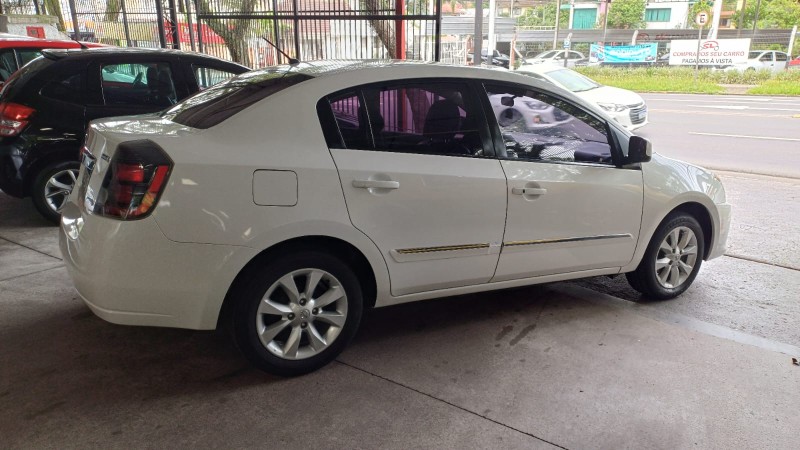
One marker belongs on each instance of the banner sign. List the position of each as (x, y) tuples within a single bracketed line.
[(623, 54), (713, 52)]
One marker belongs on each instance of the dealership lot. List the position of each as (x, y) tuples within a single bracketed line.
[(558, 365)]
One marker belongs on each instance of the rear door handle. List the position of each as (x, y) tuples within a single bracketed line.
[(378, 184), (528, 191)]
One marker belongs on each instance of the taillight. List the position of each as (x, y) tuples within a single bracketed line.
[(13, 118), (136, 177)]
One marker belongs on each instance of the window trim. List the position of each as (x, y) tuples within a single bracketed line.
[(472, 99), (617, 158)]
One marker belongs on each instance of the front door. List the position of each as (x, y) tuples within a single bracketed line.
[(419, 182), (569, 208)]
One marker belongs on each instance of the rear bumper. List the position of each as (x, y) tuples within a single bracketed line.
[(129, 273)]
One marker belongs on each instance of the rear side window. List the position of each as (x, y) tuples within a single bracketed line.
[(207, 77), (215, 104), (8, 64), (66, 87), (149, 84)]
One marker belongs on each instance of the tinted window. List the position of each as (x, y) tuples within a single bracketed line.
[(540, 127), (65, 87), (8, 64), (780, 56), (767, 57), (215, 104), (138, 84), (207, 77), (27, 55), (432, 118)]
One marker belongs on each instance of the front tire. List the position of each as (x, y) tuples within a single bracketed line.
[(52, 187), (672, 259), (298, 313)]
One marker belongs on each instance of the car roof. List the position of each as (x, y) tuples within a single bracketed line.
[(99, 52), (12, 41), (326, 68)]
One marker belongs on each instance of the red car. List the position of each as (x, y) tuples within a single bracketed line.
[(794, 64), (16, 51)]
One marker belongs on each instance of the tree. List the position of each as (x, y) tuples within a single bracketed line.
[(543, 16), (53, 8), (773, 14), (112, 10), (233, 31), (702, 5), (626, 14)]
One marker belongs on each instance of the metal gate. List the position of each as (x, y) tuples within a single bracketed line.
[(259, 33)]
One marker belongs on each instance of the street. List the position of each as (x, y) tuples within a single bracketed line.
[(579, 364)]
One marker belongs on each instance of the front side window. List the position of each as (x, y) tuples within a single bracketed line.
[(539, 127), (432, 118), (766, 57), (146, 84)]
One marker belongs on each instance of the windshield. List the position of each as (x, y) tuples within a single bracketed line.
[(754, 55), (572, 80), (215, 104)]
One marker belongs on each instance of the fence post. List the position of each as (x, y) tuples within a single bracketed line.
[(438, 38), (791, 41), (199, 28), (477, 41), (74, 15), (162, 36), (189, 22), (173, 18), (125, 23)]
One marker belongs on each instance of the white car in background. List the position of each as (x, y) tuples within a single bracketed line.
[(626, 107), (762, 60), (555, 57)]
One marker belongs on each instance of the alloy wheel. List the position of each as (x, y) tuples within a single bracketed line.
[(676, 257), (301, 314), (58, 188)]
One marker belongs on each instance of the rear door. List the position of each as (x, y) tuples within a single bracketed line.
[(420, 179)]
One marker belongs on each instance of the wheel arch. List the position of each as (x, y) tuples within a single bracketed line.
[(335, 246), (703, 217), (56, 154)]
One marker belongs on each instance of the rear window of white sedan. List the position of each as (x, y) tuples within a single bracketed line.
[(215, 104)]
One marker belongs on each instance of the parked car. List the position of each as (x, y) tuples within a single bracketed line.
[(794, 64), (626, 107), (761, 60), (46, 106), (286, 201), (556, 57), (16, 51), (498, 59)]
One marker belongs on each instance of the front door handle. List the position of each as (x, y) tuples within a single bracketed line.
[(528, 191), (376, 184)]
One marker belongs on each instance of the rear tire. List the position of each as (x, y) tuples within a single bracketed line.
[(298, 313), (672, 259), (52, 187)]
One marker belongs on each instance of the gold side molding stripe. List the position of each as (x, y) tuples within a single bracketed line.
[(570, 239), (446, 248)]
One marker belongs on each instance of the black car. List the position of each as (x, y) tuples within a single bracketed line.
[(46, 106), (498, 59)]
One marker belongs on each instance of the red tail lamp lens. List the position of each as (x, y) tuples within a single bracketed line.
[(14, 118), (137, 176)]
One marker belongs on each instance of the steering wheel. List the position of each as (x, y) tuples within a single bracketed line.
[(137, 82)]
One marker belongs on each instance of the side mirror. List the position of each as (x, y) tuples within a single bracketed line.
[(640, 150)]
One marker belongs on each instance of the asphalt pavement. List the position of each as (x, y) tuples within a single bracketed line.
[(587, 364)]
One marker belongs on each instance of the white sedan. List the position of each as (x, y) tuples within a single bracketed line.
[(626, 107), (288, 200), (761, 60)]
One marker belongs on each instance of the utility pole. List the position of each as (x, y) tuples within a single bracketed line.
[(477, 41), (558, 16)]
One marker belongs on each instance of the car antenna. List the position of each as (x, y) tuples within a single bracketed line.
[(292, 61)]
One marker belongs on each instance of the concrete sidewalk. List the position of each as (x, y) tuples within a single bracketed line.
[(540, 367)]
